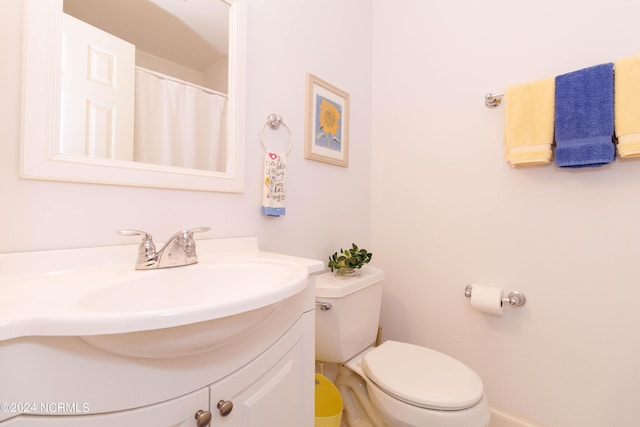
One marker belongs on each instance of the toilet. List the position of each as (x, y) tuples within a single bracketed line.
[(394, 384)]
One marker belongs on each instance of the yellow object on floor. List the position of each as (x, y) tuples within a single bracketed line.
[(328, 411)]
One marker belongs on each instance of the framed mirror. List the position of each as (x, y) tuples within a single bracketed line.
[(53, 149)]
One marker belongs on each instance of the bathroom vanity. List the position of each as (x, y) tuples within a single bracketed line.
[(86, 340)]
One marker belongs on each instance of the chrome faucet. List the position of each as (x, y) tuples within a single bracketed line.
[(179, 250)]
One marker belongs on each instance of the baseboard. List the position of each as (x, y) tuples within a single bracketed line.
[(502, 418)]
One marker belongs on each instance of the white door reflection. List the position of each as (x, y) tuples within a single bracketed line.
[(174, 114)]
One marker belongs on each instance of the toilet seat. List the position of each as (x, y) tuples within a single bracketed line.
[(422, 377)]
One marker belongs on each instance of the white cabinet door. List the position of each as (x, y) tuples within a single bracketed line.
[(275, 390), (98, 89), (178, 412)]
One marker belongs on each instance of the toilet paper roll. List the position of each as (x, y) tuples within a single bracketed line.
[(487, 299)]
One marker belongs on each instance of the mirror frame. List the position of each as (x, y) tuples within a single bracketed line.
[(40, 156)]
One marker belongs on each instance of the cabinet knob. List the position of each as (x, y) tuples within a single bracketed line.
[(225, 407), (203, 418)]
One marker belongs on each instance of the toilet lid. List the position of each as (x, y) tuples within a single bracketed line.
[(422, 377)]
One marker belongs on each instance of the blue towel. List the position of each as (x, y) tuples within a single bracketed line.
[(584, 117)]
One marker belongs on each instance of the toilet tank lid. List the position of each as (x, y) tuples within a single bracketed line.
[(328, 285)]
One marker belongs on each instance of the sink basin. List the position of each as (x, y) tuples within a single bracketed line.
[(222, 289), (226, 284), (162, 313)]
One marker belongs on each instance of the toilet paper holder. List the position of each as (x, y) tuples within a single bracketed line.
[(515, 298)]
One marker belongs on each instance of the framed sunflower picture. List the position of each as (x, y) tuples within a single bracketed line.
[(327, 132)]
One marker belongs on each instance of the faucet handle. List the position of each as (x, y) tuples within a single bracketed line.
[(189, 242), (144, 234), (147, 248), (198, 230)]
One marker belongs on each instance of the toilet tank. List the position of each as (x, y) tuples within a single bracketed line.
[(350, 325)]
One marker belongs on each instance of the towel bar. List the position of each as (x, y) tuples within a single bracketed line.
[(492, 100)]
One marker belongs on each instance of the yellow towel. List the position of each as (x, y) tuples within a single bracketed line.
[(627, 106), (528, 124)]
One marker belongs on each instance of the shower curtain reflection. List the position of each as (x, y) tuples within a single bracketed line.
[(178, 124)]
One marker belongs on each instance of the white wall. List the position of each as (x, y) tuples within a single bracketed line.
[(286, 40), (164, 66), (448, 211), (217, 76)]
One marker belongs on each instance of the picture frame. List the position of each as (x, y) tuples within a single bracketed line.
[(327, 125)]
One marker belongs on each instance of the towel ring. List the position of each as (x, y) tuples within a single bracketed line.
[(274, 121)]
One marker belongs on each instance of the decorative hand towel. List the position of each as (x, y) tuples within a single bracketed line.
[(584, 117), (627, 106), (273, 195), (528, 125)]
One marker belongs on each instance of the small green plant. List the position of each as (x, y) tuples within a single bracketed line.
[(348, 260)]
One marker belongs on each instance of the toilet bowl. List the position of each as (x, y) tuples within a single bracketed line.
[(395, 384), (409, 385)]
